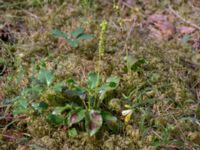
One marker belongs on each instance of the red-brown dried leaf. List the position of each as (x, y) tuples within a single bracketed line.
[(155, 33), (185, 30), (156, 18), (167, 28), (161, 23)]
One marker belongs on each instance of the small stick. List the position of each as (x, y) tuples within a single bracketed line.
[(115, 26), (197, 122), (3, 70), (183, 19), (156, 134)]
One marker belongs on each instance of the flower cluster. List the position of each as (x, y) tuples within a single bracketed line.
[(103, 26)]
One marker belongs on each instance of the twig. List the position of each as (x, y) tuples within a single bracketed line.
[(115, 26), (156, 134), (3, 70), (6, 127), (8, 136), (197, 122), (183, 19)]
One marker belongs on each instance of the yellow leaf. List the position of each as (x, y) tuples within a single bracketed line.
[(127, 118), (127, 106)]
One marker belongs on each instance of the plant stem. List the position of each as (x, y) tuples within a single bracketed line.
[(85, 104)]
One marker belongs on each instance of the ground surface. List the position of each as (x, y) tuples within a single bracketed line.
[(164, 92)]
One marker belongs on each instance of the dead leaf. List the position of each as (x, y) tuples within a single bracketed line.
[(155, 34), (156, 18), (185, 30), (167, 29), (161, 23)]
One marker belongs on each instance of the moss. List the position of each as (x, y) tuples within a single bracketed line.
[(116, 142), (115, 104), (39, 127), (166, 88), (52, 98)]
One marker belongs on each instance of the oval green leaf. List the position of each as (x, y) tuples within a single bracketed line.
[(93, 122), (75, 116)]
